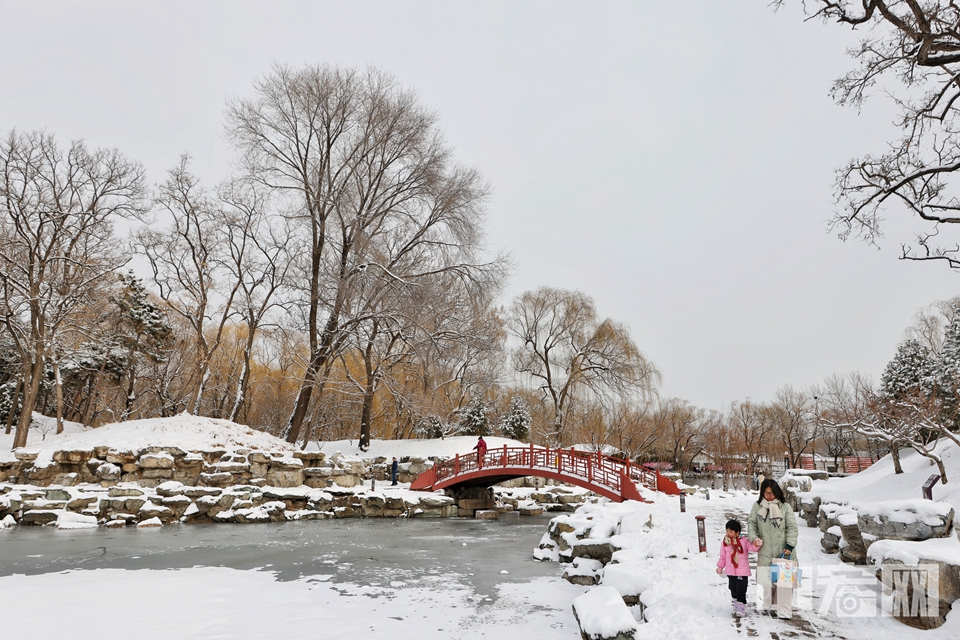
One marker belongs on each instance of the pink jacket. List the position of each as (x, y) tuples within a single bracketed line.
[(725, 561)]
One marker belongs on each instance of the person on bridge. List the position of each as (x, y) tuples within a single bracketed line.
[(481, 449), (394, 467)]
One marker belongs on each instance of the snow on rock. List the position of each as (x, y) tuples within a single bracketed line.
[(906, 519), (912, 552), (583, 571), (148, 524), (69, 520), (188, 432), (7, 522), (602, 615)]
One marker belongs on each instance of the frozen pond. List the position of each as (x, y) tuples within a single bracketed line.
[(420, 578)]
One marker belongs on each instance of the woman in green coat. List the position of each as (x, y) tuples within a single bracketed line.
[(773, 527)]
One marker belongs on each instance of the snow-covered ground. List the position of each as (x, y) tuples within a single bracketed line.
[(685, 598), (194, 433)]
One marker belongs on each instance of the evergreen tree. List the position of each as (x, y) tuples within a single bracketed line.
[(474, 420), (912, 373), (516, 424), (948, 371)]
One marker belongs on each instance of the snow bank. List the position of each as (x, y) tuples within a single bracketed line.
[(602, 614)]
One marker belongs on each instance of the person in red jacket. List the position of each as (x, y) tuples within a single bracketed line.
[(733, 561), (481, 449)]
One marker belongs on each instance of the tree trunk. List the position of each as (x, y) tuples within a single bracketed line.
[(895, 455), (317, 361), (30, 393), (58, 385), (13, 404)]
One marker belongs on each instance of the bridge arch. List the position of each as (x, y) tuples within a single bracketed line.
[(605, 475)]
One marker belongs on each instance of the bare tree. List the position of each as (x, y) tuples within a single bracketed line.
[(258, 248), (187, 261), (684, 427), (911, 50), (753, 428), (569, 352), (850, 404), (57, 209), (364, 169), (794, 421)]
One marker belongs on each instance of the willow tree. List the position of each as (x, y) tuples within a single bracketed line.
[(570, 354)]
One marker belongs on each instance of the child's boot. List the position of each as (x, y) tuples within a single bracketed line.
[(741, 608)]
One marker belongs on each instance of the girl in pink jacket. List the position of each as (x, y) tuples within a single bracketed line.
[(733, 561)]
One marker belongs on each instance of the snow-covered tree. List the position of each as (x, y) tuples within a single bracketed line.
[(912, 372), (474, 420), (516, 423)]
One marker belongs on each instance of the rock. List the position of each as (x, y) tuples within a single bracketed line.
[(198, 492), (912, 601), (169, 489), (41, 504), (906, 519), (66, 479), (601, 551), (175, 452), (602, 615), (39, 517), (115, 524), (150, 510), (286, 473), (150, 524), (108, 472), (79, 456), (68, 520), (854, 552), (159, 460), (830, 541), (56, 494), (216, 479), (26, 455), (485, 514), (177, 504), (530, 510), (79, 504), (120, 456), (124, 492), (583, 571)]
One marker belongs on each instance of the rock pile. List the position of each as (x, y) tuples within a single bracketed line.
[(174, 501), (151, 466)]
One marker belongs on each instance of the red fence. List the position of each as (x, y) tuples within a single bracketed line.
[(856, 464), (605, 474)]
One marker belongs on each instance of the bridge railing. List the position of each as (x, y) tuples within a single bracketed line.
[(594, 467)]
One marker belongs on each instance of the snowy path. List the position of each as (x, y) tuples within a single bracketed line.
[(825, 580)]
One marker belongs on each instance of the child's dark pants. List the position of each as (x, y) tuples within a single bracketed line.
[(738, 588)]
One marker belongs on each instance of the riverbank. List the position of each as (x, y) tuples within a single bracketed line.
[(345, 579)]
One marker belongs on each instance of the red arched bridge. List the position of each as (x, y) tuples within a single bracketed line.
[(605, 475)]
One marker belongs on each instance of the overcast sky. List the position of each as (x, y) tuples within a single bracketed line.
[(673, 160)]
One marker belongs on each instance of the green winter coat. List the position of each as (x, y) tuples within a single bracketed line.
[(774, 540)]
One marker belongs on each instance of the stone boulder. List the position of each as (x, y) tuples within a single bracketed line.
[(921, 580), (906, 519), (602, 615), (584, 571)]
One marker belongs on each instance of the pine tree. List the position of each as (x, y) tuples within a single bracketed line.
[(474, 420), (516, 424), (948, 371), (912, 373)]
